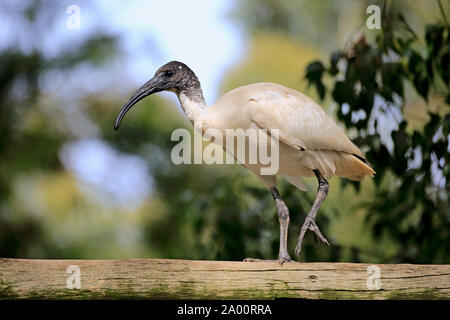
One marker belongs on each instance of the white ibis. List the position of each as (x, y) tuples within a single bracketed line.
[(310, 143)]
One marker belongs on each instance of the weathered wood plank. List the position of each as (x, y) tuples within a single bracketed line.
[(184, 279)]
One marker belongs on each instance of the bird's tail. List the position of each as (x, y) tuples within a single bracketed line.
[(354, 167)]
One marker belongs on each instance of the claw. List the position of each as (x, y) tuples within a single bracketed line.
[(281, 261), (311, 225), (298, 249)]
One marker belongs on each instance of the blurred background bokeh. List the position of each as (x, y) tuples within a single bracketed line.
[(72, 187)]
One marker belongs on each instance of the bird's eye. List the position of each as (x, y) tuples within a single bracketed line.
[(168, 73)]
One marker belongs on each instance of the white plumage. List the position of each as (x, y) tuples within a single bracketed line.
[(309, 138), (310, 142)]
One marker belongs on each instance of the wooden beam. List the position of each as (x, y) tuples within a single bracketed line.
[(184, 279)]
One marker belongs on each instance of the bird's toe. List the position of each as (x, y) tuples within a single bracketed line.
[(298, 249), (282, 260), (311, 225), (252, 260)]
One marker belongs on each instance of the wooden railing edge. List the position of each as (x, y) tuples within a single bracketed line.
[(194, 279)]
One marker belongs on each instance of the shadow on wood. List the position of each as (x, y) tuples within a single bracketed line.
[(185, 279)]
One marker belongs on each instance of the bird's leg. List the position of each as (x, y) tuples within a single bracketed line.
[(310, 221), (283, 218)]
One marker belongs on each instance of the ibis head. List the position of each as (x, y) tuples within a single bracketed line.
[(173, 76)]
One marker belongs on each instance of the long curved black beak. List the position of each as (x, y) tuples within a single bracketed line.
[(151, 86)]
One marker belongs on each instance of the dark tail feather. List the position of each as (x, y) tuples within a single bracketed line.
[(363, 160)]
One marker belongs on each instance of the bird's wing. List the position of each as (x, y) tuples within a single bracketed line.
[(296, 181), (301, 122)]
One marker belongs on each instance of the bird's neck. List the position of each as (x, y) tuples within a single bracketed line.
[(193, 104)]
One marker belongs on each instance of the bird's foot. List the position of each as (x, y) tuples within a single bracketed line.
[(311, 225), (281, 259)]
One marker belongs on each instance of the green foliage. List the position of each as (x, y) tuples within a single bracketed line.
[(301, 19), (314, 73), (369, 77), (217, 212), (30, 139)]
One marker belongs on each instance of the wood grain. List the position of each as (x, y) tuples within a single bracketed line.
[(185, 279)]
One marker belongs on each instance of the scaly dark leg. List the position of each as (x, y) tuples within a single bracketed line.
[(283, 218), (310, 221)]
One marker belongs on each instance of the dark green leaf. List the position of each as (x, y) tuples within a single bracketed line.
[(314, 72), (343, 92), (335, 56), (434, 38), (444, 68)]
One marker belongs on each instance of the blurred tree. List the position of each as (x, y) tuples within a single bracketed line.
[(29, 138), (368, 82), (309, 23), (263, 64), (200, 211), (206, 210), (196, 212)]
